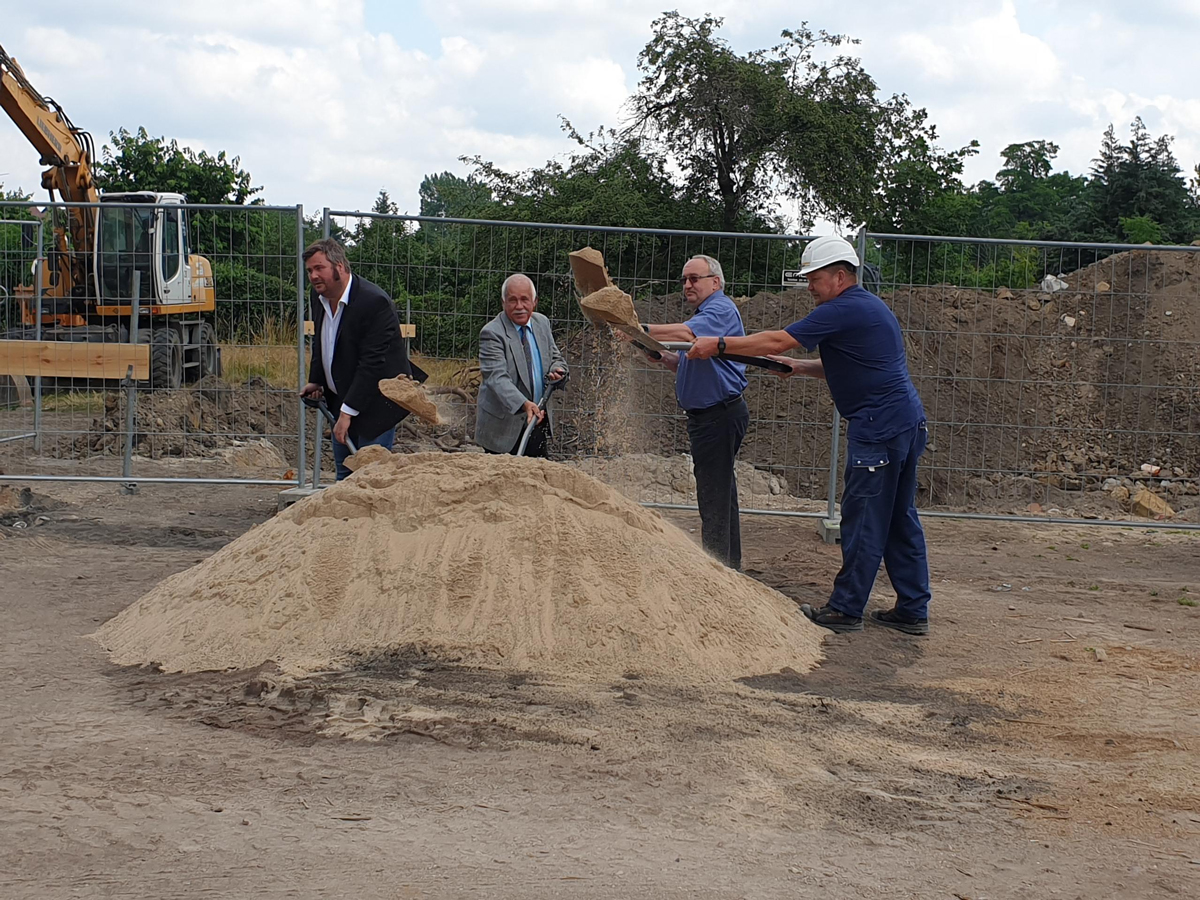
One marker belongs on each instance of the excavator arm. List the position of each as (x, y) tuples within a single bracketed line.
[(68, 152)]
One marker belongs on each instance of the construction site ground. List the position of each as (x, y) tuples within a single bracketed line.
[(1042, 742)]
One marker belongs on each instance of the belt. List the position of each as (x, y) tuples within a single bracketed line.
[(724, 404)]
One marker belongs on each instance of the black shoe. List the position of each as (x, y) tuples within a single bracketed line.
[(830, 618), (890, 618)]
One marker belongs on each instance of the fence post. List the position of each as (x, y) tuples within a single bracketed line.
[(318, 424), (135, 306), (39, 262), (302, 430)]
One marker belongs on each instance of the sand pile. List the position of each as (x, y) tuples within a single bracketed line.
[(367, 455), (497, 561), (411, 395)]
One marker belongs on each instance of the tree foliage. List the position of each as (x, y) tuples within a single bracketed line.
[(138, 162), (792, 120)]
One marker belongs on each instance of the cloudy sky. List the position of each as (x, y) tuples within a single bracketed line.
[(327, 101)]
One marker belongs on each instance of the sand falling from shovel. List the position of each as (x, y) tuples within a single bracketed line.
[(502, 562)]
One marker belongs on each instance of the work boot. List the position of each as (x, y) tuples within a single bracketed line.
[(893, 618), (828, 617)]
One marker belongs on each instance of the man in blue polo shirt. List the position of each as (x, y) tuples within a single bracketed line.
[(864, 362), (710, 392)]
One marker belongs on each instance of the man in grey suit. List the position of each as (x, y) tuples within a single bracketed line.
[(517, 357)]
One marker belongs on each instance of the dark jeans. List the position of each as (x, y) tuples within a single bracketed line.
[(716, 435), (341, 452), (879, 522)]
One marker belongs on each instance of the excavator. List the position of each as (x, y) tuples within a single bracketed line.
[(124, 249)]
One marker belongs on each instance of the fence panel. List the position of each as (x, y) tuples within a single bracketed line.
[(619, 417), (217, 397), (1053, 374), (1050, 372)]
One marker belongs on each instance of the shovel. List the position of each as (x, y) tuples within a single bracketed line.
[(550, 388), (655, 349), (320, 405)]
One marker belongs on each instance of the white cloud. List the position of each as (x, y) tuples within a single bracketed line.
[(324, 111)]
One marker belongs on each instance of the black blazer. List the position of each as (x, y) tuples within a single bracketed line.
[(368, 348)]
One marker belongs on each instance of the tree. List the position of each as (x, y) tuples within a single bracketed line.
[(449, 196), (1140, 179), (746, 129), (138, 162)]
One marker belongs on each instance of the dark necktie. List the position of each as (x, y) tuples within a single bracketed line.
[(528, 360)]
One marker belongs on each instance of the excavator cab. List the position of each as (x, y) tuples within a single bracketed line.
[(138, 243)]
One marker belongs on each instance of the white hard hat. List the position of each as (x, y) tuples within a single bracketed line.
[(826, 251)]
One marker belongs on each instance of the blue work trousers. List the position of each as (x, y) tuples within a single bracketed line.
[(879, 522), (341, 452)]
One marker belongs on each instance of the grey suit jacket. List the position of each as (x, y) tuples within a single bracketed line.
[(505, 388)]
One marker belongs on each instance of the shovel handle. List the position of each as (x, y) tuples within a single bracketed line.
[(324, 410), (760, 361)]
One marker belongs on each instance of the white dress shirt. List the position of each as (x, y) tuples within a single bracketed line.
[(329, 333)]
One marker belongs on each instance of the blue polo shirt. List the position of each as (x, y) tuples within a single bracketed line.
[(700, 383), (866, 367)]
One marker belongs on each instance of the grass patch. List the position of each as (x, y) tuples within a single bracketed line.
[(1187, 601), (270, 354), (448, 372), (90, 402)]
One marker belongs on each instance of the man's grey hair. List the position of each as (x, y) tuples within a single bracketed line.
[(334, 252), (514, 277), (714, 268)]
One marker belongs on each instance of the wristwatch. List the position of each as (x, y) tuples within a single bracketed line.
[(721, 345)]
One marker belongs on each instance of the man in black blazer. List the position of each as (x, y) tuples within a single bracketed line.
[(356, 342)]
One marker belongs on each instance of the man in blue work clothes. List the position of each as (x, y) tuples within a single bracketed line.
[(710, 392), (863, 360)]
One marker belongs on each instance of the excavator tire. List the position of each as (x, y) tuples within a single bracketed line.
[(210, 355), (166, 357)]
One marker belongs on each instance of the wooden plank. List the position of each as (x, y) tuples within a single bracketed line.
[(308, 328), (69, 359)]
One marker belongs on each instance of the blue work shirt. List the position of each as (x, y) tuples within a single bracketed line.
[(866, 367), (701, 383)]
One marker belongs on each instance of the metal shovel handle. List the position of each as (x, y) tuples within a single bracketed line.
[(760, 362), (319, 404), (550, 388)]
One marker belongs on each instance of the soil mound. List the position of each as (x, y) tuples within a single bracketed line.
[(504, 562)]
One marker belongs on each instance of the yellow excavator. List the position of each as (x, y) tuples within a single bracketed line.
[(125, 248)]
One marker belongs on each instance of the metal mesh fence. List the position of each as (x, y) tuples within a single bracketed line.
[(1049, 371), (619, 417), (217, 291)]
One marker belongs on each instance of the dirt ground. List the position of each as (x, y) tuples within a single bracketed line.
[(998, 758)]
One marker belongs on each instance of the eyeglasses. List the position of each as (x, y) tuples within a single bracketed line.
[(692, 279)]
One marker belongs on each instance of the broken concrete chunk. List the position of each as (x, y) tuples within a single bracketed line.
[(1103, 286), (1099, 654), (1004, 294), (1150, 506)]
